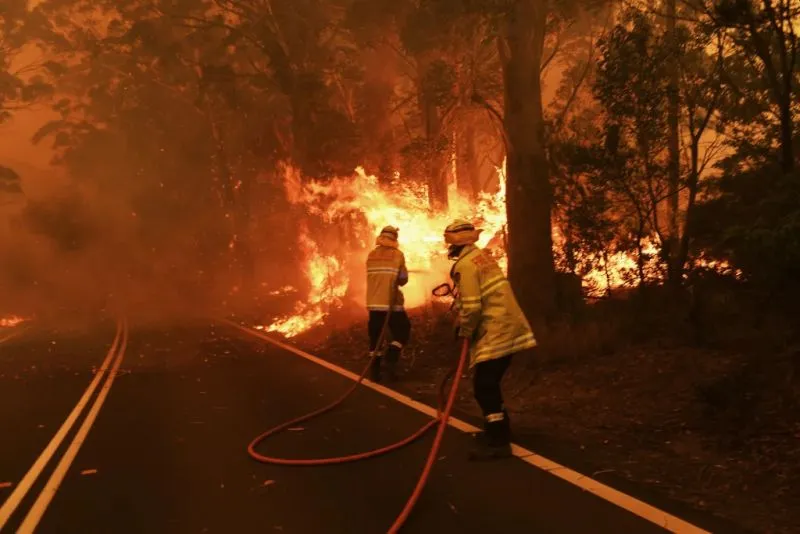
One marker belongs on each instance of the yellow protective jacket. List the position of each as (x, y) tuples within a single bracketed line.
[(386, 269), (488, 313)]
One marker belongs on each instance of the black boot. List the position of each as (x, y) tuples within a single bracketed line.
[(392, 357), (506, 429), (481, 436), (375, 369), (495, 442)]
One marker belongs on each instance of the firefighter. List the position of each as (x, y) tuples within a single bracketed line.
[(386, 271), (491, 319)]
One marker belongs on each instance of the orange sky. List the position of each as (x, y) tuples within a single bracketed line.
[(15, 135)]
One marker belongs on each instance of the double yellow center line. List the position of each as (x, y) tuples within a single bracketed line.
[(108, 370)]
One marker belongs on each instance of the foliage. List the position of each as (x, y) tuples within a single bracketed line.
[(187, 106), (21, 83), (754, 220), (611, 163)]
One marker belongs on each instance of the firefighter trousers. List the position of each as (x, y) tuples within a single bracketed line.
[(399, 330), (487, 389)]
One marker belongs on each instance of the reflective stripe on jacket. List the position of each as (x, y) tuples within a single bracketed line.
[(386, 269), (489, 314)]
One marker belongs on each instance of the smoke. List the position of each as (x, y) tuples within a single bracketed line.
[(76, 250)]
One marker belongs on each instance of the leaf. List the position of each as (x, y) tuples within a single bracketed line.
[(49, 128)]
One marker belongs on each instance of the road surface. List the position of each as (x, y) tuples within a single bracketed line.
[(166, 452)]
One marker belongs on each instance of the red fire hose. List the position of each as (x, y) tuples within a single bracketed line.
[(443, 415)]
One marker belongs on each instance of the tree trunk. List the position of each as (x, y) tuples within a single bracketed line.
[(437, 160), (467, 168), (244, 234), (787, 138), (377, 100), (694, 181), (674, 176), (528, 190), (236, 201), (436, 163)]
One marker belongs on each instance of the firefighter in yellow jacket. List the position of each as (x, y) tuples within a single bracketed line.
[(386, 271), (491, 319)]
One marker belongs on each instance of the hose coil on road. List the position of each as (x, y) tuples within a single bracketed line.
[(444, 408)]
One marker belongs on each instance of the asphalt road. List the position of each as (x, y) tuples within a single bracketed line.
[(167, 451)]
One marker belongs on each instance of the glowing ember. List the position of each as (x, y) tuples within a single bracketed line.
[(282, 291), (11, 321)]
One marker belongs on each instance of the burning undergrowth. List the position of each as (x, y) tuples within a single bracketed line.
[(349, 212), (340, 219)]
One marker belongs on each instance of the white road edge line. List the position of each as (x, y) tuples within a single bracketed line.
[(13, 500), (659, 517), (12, 335), (46, 496)]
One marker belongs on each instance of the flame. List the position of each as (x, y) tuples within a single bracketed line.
[(360, 206), (328, 283), (11, 321), (285, 290), (621, 270), (363, 202), (363, 205), (722, 267)]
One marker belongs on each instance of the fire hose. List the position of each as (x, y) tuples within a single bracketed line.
[(443, 411)]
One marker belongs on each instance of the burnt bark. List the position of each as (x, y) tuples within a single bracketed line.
[(673, 146), (529, 192)]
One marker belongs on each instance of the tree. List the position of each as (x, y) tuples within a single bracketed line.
[(186, 172), (672, 254), (762, 63), (528, 190), (374, 27), (459, 66), (445, 85), (702, 94), (297, 46), (632, 85), (21, 84)]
